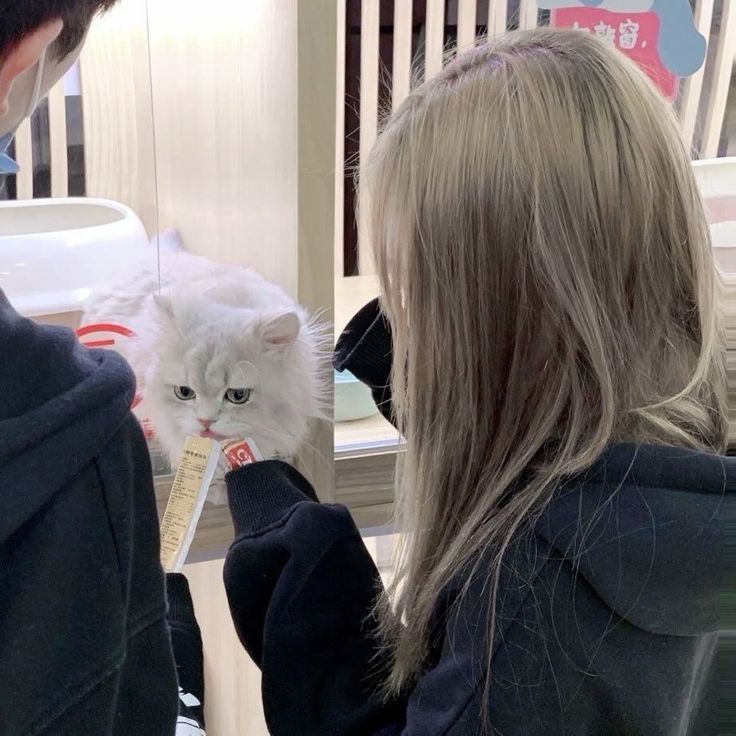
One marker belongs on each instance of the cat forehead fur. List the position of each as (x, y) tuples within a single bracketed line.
[(211, 346)]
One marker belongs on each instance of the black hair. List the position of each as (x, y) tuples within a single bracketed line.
[(18, 18)]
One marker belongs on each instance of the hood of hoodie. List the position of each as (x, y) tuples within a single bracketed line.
[(645, 527), (59, 405)]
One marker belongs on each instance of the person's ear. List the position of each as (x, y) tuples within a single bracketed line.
[(23, 56)]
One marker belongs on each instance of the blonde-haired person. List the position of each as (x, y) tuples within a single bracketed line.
[(557, 370)]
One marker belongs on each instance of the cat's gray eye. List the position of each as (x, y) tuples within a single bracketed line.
[(237, 395), (184, 393)]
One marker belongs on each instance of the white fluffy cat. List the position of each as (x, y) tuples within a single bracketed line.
[(220, 352)]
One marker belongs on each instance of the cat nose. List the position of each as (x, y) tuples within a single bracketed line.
[(206, 423)]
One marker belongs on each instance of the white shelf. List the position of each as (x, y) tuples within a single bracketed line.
[(364, 435)]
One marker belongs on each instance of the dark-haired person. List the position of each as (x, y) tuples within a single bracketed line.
[(84, 645), (39, 41)]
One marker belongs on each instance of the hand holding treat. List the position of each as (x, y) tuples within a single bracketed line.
[(203, 462)]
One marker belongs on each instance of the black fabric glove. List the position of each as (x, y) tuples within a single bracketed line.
[(365, 348), (186, 641)]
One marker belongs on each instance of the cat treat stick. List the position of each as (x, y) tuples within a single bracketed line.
[(198, 464)]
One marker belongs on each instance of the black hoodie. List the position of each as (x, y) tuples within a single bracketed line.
[(607, 621), (84, 647)]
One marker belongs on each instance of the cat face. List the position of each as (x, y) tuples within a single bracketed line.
[(226, 372)]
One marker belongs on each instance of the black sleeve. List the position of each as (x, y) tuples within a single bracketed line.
[(186, 642), (365, 348), (146, 697), (301, 587)]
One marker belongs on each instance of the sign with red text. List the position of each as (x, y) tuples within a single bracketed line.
[(659, 35), (634, 34)]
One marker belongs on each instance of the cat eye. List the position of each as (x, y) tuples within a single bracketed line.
[(237, 395), (185, 393)]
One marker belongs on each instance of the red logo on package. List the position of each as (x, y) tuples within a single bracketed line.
[(240, 453), (109, 335), (635, 34)]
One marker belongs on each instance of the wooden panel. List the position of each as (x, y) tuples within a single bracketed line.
[(225, 113), (435, 43), (58, 141), (402, 53), (693, 85), (370, 517), (527, 14), (319, 38), (366, 482), (24, 158), (465, 24), (233, 682), (116, 99), (718, 92), (340, 169), (369, 18), (497, 16)]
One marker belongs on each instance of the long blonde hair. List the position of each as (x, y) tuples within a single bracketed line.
[(547, 272)]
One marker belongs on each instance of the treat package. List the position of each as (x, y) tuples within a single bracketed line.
[(202, 459), (237, 453)]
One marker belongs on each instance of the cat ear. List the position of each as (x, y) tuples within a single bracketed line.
[(281, 331), (168, 239)]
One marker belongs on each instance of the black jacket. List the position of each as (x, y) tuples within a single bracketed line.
[(607, 619), (84, 647)]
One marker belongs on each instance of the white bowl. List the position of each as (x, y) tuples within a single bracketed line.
[(353, 399), (54, 252)]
